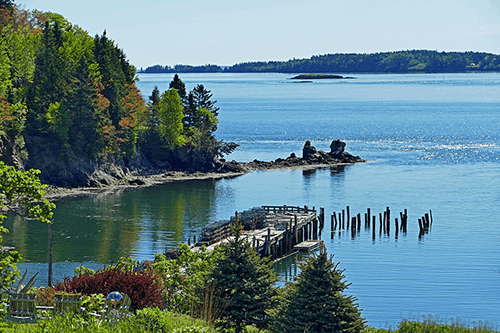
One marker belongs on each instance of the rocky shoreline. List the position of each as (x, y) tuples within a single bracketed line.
[(311, 159)]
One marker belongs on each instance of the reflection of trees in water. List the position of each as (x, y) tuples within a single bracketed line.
[(103, 228)]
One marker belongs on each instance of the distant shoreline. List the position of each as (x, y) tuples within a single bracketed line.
[(398, 62)]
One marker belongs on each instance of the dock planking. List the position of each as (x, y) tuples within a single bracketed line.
[(278, 229)]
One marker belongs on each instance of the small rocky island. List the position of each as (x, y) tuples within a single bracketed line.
[(311, 157), (320, 76)]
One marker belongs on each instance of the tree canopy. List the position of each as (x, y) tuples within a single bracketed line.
[(67, 97)]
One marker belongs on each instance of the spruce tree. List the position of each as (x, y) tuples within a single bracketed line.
[(316, 303), (247, 284), (180, 86)]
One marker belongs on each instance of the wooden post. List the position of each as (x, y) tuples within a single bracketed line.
[(315, 229), (430, 213), (359, 221), (343, 219), (295, 230), (268, 242), (397, 229), (49, 281), (369, 218), (388, 220), (353, 227), (348, 215), (380, 218), (373, 229)]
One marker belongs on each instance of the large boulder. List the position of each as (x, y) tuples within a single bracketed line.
[(337, 148), (309, 151)]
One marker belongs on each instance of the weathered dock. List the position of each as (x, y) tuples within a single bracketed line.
[(274, 231)]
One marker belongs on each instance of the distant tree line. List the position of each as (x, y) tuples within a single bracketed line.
[(182, 69), (412, 61), (67, 97)]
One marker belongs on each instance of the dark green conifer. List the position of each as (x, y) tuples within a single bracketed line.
[(316, 303), (247, 284), (180, 86)]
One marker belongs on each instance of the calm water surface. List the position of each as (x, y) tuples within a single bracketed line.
[(432, 141)]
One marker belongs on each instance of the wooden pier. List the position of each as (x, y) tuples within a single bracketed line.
[(278, 230)]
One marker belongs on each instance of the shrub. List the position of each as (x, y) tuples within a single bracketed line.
[(141, 287)]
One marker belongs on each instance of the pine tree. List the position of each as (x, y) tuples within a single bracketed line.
[(247, 284), (316, 303)]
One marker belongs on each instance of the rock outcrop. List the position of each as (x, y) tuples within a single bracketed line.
[(310, 157)]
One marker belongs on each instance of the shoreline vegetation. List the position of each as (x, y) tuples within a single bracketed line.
[(311, 159), (397, 62)]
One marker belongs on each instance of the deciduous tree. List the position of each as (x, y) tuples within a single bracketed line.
[(170, 116)]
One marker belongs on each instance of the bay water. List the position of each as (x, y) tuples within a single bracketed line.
[(431, 141)]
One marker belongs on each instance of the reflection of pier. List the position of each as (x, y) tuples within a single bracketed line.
[(274, 231)]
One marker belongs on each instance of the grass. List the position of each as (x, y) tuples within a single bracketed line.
[(430, 324), (156, 320)]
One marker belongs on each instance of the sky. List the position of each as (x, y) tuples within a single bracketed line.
[(227, 32)]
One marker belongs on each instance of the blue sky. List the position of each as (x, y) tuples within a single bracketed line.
[(225, 32)]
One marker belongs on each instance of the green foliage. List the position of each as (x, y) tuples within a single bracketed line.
[(61, 88), (316, 303), (186, 283), (19, 189), (177, 84), (170, 114), (433, 325), (246, 283)]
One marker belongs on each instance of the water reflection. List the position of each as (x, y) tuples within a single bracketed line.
[(126, 223)]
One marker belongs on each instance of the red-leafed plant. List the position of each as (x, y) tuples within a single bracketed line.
[(141, 287)]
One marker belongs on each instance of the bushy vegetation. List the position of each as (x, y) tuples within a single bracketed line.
[(142, 287), (228, 290)]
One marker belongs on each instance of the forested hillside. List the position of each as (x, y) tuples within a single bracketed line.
[(415, 61), (69, 106)]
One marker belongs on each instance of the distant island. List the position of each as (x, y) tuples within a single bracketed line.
[(320, 77), (411, 61)]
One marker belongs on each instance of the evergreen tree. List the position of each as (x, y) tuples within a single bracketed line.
[(202, 99), (316, 303), (177, 83), (247, 283), (85, 134), (49, 79)]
